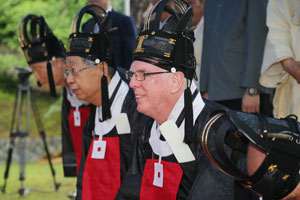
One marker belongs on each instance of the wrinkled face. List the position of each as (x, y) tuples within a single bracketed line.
[(85, 84), (152, 93), (40, 73)]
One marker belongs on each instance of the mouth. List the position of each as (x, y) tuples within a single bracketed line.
[(139, 96), (75, 91)]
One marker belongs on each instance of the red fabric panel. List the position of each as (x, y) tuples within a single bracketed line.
[(76, 131), (102, 177), (171, 180)]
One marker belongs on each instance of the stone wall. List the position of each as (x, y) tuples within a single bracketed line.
[(34, 148)]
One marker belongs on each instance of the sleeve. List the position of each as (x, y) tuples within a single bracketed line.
[(278, 45), (204, 70), (69, 160), (86, 141), (256, 31), (129, 35)]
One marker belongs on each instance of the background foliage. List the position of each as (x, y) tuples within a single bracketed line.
[(57, 13)]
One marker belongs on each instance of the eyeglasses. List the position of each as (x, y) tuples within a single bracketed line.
[(73, 71), (140, 75)]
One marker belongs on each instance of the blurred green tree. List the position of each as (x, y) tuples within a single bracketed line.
[(57, 13)]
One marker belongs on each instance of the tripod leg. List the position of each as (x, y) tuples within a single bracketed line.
[(8, 162), (12, 139), (43, 136), (22, 165)]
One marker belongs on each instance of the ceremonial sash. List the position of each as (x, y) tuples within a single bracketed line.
[(172, 173), (102, 177), (76, 131)]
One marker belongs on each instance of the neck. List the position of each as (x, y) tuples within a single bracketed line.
[(197, 19), (97, 99), (63, 83), (162, 115)]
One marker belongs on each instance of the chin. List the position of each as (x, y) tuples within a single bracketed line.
[(143, 110), (140, 109), (81, 97), (46, 87)]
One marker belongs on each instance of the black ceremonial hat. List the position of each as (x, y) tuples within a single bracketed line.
[(169, 42), (39, 44), (94, 43), (38, 41)]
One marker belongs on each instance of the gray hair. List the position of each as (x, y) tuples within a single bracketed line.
[(111, 71)]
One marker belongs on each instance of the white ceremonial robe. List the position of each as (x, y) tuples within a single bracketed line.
[(283, 41)]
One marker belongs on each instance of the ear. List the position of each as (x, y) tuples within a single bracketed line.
[(103, 66), (105, 69), (58, 63), (176, 81)]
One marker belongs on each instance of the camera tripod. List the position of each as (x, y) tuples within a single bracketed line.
[(24, 89)]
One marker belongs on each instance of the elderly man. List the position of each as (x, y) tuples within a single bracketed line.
[(168, 158), (92, 76), (45, 55)]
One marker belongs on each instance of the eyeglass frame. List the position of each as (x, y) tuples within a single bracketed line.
[(144, 74), (67, 72)]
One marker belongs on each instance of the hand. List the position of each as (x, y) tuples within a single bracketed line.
[(254, 159), (294, 195), (205, 95), (292, 67), (250, 104)]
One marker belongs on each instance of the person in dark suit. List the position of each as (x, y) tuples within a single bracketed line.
[(233, 44), (124, 39)]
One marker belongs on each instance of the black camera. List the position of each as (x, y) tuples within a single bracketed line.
[(23, 74)]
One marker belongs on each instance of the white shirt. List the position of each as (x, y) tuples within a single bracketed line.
[(104, 127), (162, 148)]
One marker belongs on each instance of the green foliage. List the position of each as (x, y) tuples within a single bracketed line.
[(58, 15), (8, 82), (118, 5), (8, 60), (51, 119)]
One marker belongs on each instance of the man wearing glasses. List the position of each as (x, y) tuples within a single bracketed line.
[(107, 134), (167, 157), (179, 152)]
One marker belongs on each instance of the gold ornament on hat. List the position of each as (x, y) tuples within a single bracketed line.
[(141, 40)]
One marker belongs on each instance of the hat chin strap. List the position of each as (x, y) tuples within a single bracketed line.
[(51, 80), (106, 113)]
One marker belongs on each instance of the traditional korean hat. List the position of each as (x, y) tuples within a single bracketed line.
[(39, 44)]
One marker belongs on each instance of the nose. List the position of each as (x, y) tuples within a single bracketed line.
[(70, 79), (37, 76), (133, 82)]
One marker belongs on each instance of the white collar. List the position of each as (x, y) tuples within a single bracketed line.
[(162, 148), (198, 105), (102, 128), (109, 9)]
